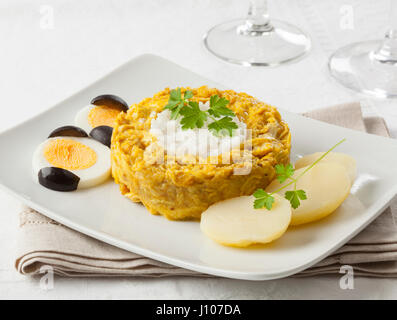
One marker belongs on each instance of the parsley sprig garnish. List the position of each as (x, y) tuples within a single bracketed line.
[(193, 117), (284, 173), (218, 107), (222, 126), (176, 102), (263, 199)]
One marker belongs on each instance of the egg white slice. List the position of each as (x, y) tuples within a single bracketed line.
[(94, 175), (81, 119)]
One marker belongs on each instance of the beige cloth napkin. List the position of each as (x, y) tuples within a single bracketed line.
[(44, 242)]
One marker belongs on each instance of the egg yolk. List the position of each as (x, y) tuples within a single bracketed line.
[(103, 116), (69, 154)]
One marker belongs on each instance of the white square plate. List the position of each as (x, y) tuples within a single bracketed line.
[(103, 213)]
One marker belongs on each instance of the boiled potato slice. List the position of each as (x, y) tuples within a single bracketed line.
[(235, 222), (326, 185), (343, 159)]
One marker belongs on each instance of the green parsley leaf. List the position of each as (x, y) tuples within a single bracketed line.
[(188, 94), (284, 172), (263, 200), (260, 193), (175, 95), (176, 102), (218, 107), (223, 126), (193, 117), (176, 110), (294, 196)]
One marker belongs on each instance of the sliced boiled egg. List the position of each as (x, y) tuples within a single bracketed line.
[(70, 156), (102, 111)]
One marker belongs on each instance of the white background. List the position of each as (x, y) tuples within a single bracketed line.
[(40, 66)]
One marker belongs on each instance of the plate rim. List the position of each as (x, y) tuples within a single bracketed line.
[(253, 276)]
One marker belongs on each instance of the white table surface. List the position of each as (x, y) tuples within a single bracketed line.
[(41, 66)]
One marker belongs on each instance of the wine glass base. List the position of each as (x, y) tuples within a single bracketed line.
[(356, 67), (282, 44)]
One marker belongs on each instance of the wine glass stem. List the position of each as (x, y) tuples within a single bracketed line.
[(258, 21), (258, 14), (393, 15), (387, 53)]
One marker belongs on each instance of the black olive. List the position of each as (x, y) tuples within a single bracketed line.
[(68, 131), (58, 179), (103, 134), (110, 100)]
